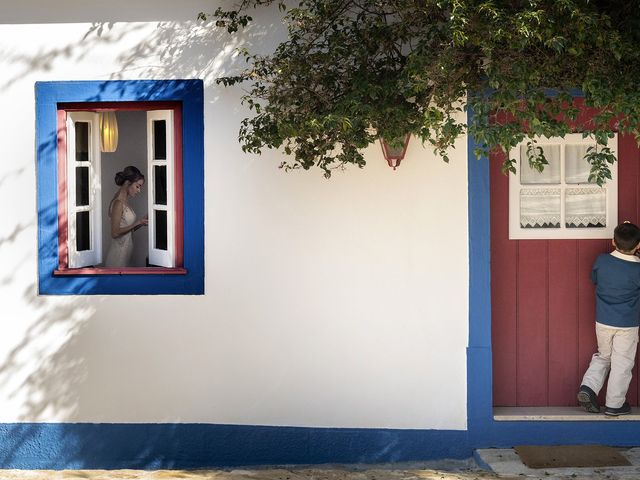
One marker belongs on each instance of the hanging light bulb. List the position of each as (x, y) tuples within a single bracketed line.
[(108, 132)]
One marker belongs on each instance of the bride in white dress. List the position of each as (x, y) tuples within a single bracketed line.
[(123, 219)]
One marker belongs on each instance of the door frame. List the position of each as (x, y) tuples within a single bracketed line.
[(483, 430)]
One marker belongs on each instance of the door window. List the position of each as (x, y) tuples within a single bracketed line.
[(560, 202)]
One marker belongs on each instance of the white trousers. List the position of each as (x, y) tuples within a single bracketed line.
[(616, 356)]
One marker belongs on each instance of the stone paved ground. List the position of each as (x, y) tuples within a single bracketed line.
[(502, 460), (436, 470), (337, 473), (345, 473)]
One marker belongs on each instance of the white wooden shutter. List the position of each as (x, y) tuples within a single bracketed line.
[(160, 178), (84, 211)]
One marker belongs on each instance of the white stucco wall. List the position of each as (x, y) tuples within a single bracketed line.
[(339, 303)]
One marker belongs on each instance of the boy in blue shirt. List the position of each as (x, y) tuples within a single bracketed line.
[(617, 279)]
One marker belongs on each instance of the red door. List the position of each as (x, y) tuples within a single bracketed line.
[(543, 300)]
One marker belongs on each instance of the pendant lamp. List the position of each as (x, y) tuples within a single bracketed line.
[(108, 132)]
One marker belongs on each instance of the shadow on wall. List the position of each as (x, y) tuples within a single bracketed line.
[(60, 340), (173, 50), (58, 346), (45, 60), (43, 371)]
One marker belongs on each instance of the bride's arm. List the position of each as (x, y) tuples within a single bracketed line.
[(116, 215), (144, 221)]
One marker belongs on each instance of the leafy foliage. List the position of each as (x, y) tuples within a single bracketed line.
[(354, 70)]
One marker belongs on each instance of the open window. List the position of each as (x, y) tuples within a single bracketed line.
[(147, 140), (76, 186)]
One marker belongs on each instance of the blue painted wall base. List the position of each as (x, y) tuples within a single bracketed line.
[(173, 446)]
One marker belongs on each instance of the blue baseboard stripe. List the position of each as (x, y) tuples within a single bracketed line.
[(177, 446)]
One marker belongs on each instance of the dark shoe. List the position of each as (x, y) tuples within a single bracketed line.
[(588, 400), (625, 409)]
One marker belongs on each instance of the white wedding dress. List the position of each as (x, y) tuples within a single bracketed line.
[(121, 248)]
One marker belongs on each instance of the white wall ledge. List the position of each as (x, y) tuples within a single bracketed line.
[(555, 414)]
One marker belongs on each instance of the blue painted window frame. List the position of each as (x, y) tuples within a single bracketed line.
[(191, 95)]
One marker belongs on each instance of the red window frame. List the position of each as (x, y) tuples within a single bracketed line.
[(63, 250)]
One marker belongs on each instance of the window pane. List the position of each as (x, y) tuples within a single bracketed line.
[(576, 167), (82, 231), (160, 185), (159, 139), (586, 207), (551, 172), (82, 142), (161, 229), (82, 186), (540, 208)]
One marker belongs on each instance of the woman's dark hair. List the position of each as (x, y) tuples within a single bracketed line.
[(130, 173)]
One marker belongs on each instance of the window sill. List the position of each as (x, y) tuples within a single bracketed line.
[(120, 271)]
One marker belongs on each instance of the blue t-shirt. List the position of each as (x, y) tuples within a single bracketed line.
[(617, 291)]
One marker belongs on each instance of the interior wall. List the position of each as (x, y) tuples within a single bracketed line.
[(132, 150), (328, 303)]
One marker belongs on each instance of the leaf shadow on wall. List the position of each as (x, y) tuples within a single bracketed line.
[(48, 358)]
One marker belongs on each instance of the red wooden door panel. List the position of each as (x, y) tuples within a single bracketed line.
[(543, 306), (563, 325), (532, 331)]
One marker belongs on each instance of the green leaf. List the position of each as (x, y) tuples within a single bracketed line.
[(410, 67)]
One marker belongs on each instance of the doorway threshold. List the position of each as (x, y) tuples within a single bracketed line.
[(558, 414)]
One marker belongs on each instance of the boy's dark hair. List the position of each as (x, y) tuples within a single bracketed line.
[(626, 236)]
